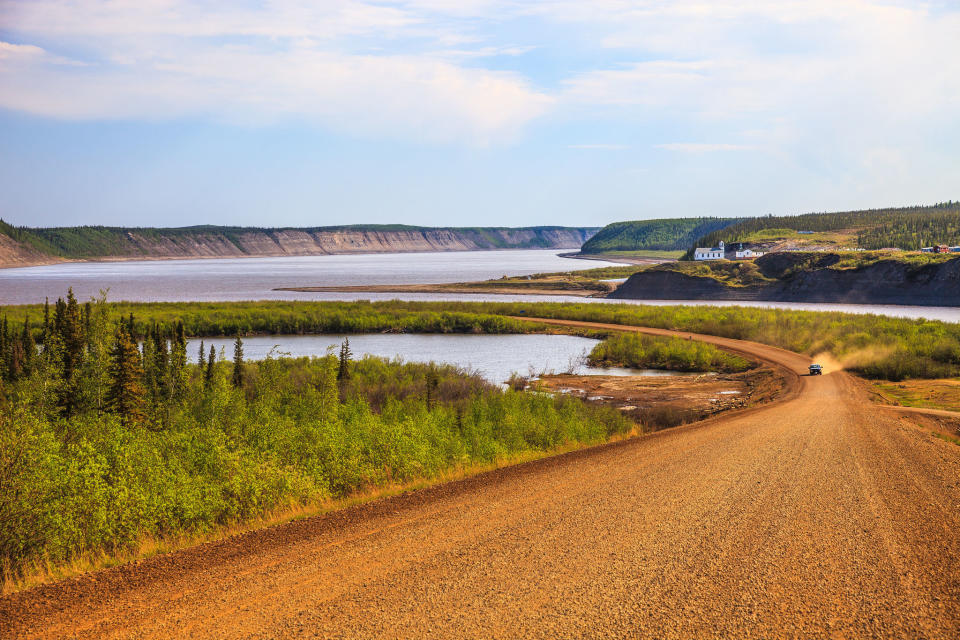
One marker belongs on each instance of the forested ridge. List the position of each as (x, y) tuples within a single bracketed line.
[(907, 228), (668, 234)]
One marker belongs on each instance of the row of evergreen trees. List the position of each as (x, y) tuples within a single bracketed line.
[(84, 366)]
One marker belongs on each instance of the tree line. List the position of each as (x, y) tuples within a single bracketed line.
[(133, 370), (908, 228)]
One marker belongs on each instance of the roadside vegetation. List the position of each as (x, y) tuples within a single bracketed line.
[(105, 443), (639, 351)]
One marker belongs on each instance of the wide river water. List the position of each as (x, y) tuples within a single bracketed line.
[(256, 279)]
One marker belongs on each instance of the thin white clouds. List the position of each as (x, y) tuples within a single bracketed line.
[(599, 147), (703, 147), (426, 69), (336, 64)]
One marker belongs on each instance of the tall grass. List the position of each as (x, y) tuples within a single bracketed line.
[(654, 352)]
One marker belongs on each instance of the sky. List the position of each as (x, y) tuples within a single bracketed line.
[(472, 112)]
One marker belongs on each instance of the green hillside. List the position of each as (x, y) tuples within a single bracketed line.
[(668, 234), (908, 228)]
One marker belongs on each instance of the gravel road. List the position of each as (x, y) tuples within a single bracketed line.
[(818, 516)]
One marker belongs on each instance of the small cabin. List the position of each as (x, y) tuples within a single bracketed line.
[(711, 253), (748, 254)]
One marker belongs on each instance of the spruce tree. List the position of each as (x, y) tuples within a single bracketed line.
[(202, 358), (46, 319), (178, 363), (211, 361), (4, 350), (29, 347), (126, 393), (159, 364), (238, 362), (343, 370), (69, 326)]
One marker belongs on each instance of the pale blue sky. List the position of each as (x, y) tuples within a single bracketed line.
[(470, 112)]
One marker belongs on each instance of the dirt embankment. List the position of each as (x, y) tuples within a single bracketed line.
[(884, 282), (207, 242)]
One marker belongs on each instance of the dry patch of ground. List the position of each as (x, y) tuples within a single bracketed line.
[(926, 394), (660, 402)]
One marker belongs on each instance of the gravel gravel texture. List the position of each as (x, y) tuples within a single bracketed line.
[(816, 516)]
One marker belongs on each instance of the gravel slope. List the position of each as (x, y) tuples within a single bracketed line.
[(815, 517)]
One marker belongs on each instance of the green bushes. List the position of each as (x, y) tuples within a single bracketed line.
[(652, 352), (201, 319), (91, 483)]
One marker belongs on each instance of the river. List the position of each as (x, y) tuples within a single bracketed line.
[(256, 278)]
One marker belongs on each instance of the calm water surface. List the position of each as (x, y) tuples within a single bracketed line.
[(494, 357), (255, 279)]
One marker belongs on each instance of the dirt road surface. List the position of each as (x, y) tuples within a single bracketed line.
[(816, 517)]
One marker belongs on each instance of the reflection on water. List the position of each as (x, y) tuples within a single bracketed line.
[(494, 357)]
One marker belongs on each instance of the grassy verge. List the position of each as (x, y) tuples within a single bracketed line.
[(41, 571)]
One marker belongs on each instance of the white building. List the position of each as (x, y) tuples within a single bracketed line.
[(713, 253), (749, 254)]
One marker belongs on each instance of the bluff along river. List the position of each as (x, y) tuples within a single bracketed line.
[(256, 278)]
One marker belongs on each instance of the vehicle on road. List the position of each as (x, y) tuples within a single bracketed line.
[(816, 370)]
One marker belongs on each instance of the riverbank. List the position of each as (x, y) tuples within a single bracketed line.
[(845, 277), (536, 289), (592, 283), (24, 246)]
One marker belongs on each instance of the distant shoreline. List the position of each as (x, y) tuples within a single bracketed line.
[(457, 287), (51, 260)]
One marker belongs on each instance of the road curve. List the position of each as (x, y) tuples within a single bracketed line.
[(818, 516)]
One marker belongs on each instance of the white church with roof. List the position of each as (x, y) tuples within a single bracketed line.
[(712, 253)]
